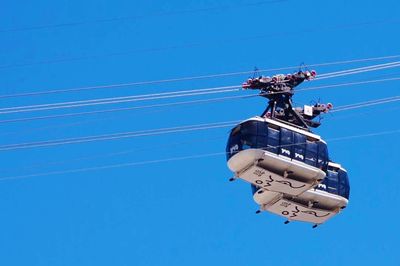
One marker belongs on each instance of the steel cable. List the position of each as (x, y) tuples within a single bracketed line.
[(132, 134), (128, 84), (217, 99), (170, 159), (134, 98)]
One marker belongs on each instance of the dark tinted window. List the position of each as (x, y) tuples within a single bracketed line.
[(249, 134), (262, 135), (286, 144), (234, 144), (331, 182), (336, 182), (235, 131), (322, 155), (249, 141), (273, 140), (344, 186), (249, 127), (311, 153), (299, 149)]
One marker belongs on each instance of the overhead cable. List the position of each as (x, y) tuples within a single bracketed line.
[(366, 104), (201, 43), (129, 84), (360, 71), (170, 159), (135, 17), (357, 69), (202, 101), (112, 100), (126, 109), (165, 95), (161, 131), (349, 84), (130, 134)]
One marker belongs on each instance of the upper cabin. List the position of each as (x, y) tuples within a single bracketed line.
[(280, 139)]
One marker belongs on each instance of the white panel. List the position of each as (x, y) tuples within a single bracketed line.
[(263, 196), (308, 110), (298, 212), (275, 163), (263, 178)]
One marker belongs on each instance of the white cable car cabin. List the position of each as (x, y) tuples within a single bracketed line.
[(316, 205), (276, 156)]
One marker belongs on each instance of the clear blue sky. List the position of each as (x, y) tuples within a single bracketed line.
[(185, 212)]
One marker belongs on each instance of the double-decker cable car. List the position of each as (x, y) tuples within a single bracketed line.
[(286, 164)]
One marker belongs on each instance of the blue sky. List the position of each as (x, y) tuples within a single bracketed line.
[(185, 212)]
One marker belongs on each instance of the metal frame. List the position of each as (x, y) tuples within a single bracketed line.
[(280, 90)]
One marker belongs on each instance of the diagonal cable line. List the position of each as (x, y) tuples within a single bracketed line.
[(170, 159), (203, 101), (134, 98), (369, 103), (191, 78), (135, 17), (360, 71), (204, 43), (140, 96), (114, 166), (210, 100), (349, 84), (115, 136), (169, 145), (142, 133), (22, 109), (356, 69)]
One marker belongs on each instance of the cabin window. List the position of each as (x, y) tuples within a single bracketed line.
[(249, 134), (262, 135), (235, 131), (311, 153), (331, 182), (273, 140), (234, 144), (299, 148), (322, 155), (344, 188), (249, 128), (286, 144)]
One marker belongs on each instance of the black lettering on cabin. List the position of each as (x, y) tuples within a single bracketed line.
[(315, 214)]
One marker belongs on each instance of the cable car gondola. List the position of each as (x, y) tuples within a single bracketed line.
[(276, 156), (316, 205), (287, 165)]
